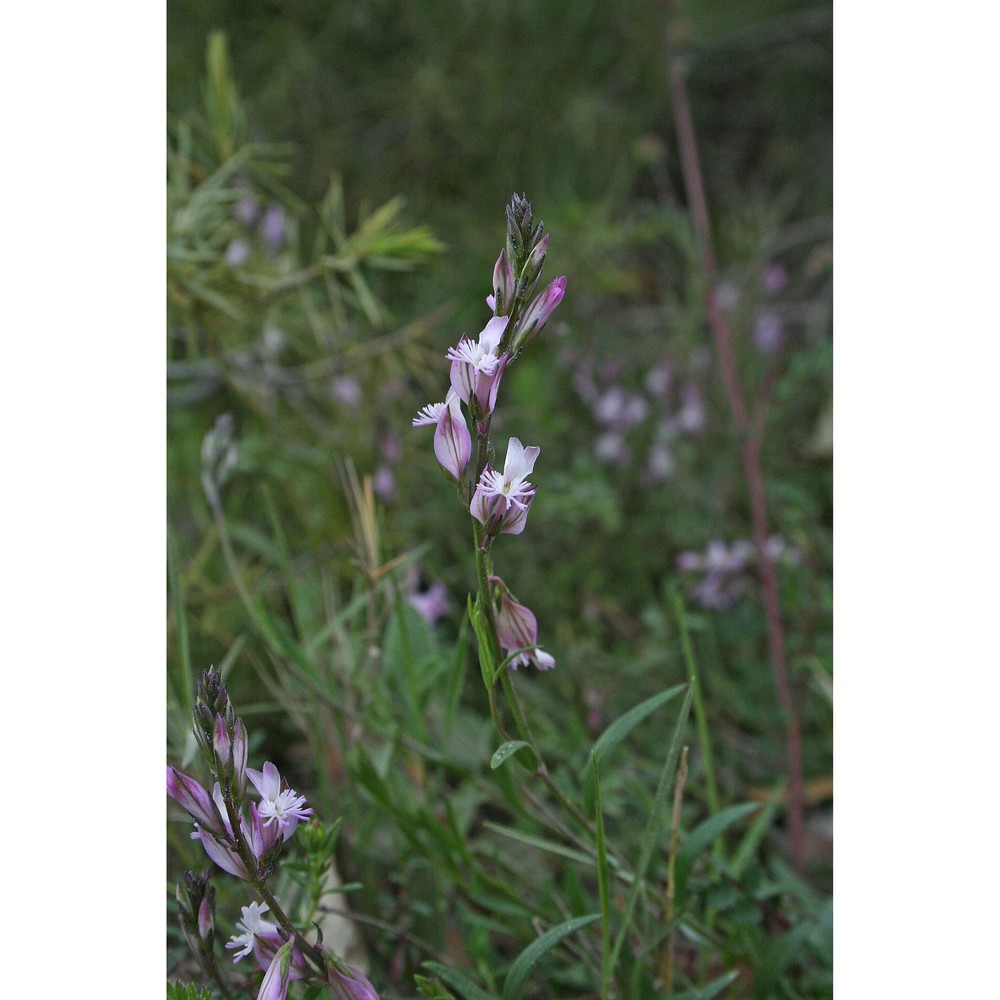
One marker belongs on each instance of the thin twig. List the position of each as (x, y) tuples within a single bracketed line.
[(750, 432)]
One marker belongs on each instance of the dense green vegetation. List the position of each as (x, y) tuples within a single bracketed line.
[(337, 177)]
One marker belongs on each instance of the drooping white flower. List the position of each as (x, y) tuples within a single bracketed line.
[(252, 926)]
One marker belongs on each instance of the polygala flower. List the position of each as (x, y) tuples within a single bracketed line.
[(278, 805), (476, 367), (517, 630), (501, 501), (432, 603), (252, 926), (452, 440)]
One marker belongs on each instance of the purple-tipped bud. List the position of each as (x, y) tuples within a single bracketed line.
[(275, 983), (221, 746), (452, 440), (196, 913), (212, 700), (503, 285), (193, 798), (206, 915), (222, 853), (352, 987), (517, 629), (538, 313)]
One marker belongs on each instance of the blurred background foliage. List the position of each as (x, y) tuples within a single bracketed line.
[(337, 175)]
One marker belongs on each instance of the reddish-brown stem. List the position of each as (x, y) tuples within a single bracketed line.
[(751, 433)]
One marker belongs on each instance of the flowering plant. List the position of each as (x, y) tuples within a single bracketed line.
[(498, 501), (245, 839)]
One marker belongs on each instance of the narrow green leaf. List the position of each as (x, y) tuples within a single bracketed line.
[(602, 882), (550, 846), (703, 835), (529, 958), (653, 835), (431, 988), (466, 987), (752, 838), (709, 992), (505, 751), (775, 958), (618, 730), (700, 716)]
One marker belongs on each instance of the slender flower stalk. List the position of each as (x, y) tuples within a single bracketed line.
[(499, 502)]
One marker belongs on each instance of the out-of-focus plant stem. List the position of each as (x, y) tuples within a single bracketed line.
[(750, 432), (667, 958)]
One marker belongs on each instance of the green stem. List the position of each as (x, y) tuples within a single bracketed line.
[(698, 704), (211, 967), (667, 959), (318, 958)]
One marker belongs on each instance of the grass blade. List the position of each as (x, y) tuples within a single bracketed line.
[(180, 621), (654, 826), (703, 835), (618, 730), (468, 989), (602, 882), (505, 751), (700, 717), (529, 958)]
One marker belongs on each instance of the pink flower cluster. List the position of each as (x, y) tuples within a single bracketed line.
[(723, 567), (270, 822)]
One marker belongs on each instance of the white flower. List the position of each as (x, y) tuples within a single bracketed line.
[(252, 925), (512, 488), (277, 805), (481, 355)]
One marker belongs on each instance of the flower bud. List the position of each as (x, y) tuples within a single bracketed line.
[(193, 798), (212, 699), (540, 309), (222, 747), (452, 440), (532, 269), (206, 915), (196, 906), (517, 629), (519, 234), (503, 285), (353, 986), (275, 983)]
